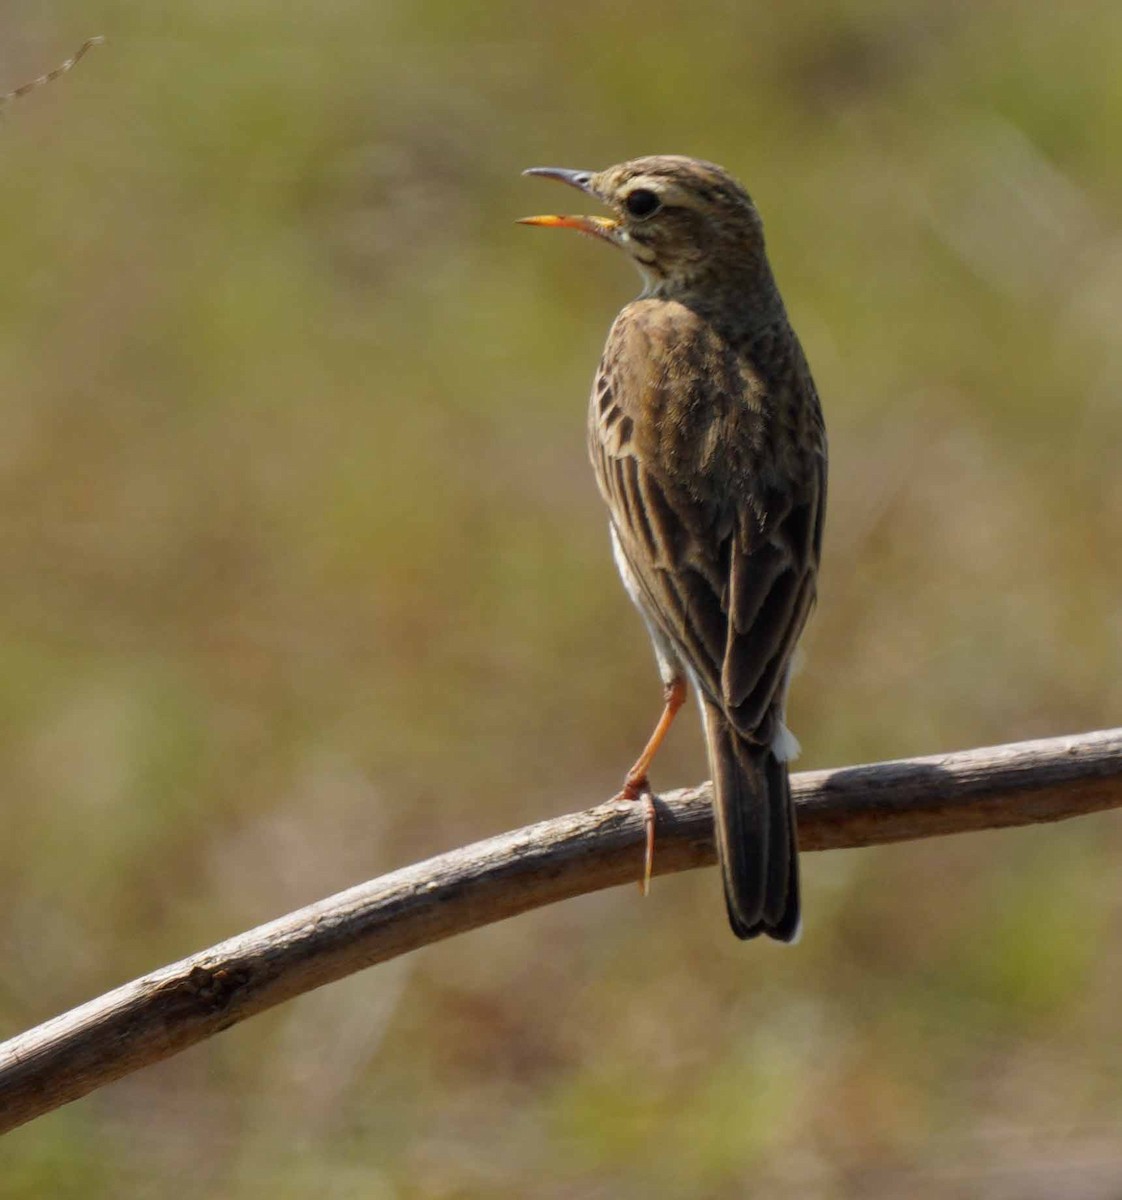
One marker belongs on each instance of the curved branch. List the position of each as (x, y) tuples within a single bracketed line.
[(173, 1008)]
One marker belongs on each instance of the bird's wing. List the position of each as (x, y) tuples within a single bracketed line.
[(717, 501)]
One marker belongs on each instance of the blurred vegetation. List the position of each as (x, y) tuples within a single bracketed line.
[(305, 577)]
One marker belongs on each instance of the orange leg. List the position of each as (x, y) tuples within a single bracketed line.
[(636, 786)]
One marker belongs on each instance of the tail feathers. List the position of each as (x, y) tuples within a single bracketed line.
[(756, 836)]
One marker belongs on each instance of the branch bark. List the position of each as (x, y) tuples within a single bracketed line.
[(175, 1007)]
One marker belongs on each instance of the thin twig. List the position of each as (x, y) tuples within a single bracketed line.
[(179, 1005), (51, 76)]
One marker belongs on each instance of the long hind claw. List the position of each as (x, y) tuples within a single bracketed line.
[(636, 787), (638, 791), (650, 818)]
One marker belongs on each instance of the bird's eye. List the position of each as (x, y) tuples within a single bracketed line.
[(642, 203)]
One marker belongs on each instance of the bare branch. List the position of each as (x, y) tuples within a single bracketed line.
[(173, 1008), (51, 76)]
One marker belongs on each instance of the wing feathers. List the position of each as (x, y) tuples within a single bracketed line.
[(723, 552)]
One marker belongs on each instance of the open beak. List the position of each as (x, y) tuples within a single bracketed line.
[(598, 227)]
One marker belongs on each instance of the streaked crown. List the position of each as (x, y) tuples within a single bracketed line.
[(690, 228)]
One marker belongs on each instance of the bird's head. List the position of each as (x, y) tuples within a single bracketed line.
[(689, 227)]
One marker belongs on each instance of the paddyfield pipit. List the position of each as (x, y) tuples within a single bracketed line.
[(708, 444)]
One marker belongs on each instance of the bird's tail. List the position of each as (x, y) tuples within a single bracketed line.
[(756, 837)]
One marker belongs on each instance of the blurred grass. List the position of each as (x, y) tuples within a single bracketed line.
[(305, 577)]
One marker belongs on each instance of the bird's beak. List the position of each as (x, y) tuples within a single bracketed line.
[(598, 227)]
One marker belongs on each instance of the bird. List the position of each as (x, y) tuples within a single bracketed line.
[(709, 448)]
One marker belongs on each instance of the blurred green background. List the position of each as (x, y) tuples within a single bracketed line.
[(303, 576)]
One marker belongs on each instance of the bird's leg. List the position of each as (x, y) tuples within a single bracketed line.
[(636, 785)]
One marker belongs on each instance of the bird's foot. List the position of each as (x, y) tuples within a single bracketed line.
[(637, 790)]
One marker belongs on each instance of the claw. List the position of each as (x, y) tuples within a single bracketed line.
[(638, 791), (650, 817), (636, 787)]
